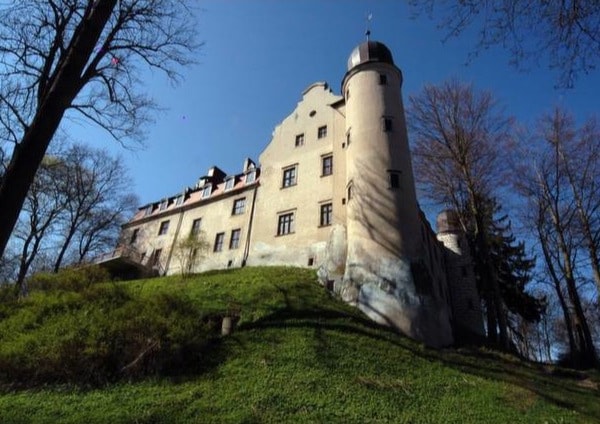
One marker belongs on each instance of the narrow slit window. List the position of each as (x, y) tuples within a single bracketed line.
[(327, 166), (387, 125), (394, 179)]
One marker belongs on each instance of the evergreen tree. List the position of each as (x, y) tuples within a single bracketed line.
[(512, 268), (514, 272)]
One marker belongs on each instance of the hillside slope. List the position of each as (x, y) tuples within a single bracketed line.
[(296, 355)]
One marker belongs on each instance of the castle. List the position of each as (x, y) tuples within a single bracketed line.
[(334, 191)]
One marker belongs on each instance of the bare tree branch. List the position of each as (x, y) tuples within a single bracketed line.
[(80, 57), (566, 33)]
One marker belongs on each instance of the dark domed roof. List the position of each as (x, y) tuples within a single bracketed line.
[(370, 51)]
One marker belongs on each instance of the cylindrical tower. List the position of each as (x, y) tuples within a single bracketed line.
[(383, 224)]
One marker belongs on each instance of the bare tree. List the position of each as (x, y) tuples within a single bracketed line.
[(81, 57), (75, 207), (93, 182), (565, 32), (101, 229), (457, 136), (553, 211), (44, 203), (579, 156)]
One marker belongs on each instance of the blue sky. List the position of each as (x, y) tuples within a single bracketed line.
[(259, 56)]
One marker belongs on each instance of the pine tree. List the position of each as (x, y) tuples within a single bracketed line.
[(512, 269)]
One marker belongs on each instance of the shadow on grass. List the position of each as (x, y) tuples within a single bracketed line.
[(306, 307), (558, 390)]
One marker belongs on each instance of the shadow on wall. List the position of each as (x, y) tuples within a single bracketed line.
[(377, 208), (385, 275)]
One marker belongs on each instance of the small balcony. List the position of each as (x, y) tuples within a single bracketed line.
[(127, 263)]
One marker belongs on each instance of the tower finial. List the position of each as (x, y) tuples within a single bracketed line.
[(368, 30)]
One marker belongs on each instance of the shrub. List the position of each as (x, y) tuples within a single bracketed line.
[(101, 334), (68, 279)]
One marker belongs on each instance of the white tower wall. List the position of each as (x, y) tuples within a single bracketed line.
[(383, 226)]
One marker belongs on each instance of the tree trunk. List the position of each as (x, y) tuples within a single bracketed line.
[(583, 335), (489, 274), (557, 287), (64, 247), (586, 353), (28, 154)]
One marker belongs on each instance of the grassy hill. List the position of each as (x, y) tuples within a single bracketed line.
[(148, 351)]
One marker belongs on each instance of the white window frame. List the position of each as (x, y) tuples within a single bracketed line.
[(206, 189), (229, 183)]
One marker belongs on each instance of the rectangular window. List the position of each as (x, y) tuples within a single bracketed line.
[(219, 242), (382, 79), (179, 200), (234, 242), (387, 124), (156, 257), (289, 177), (326, 214), (163, 205), (394, 180), (229, 183), (164, 228), (206, 191), (239, 205), (327, 165), (285, 224), (250, 176), (134, 236), (196, 227), (322, 132), (300, 140)]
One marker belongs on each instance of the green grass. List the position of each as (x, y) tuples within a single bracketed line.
[(298, 355)]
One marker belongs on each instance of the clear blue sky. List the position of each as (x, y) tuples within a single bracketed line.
[(259, 56)]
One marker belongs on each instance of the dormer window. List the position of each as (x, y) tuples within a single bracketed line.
[(229, 183), (206, 191), (250, 177), (149, 210), (163, 205), (179, 200)]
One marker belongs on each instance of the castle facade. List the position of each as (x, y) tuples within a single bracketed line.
[(335, 192)]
